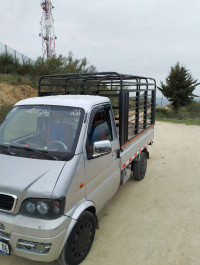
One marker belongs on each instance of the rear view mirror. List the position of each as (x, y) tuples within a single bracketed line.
[(101, 148)]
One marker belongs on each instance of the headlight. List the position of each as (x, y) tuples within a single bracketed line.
[(43, 208)]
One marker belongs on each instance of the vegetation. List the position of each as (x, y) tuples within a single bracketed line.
[(30, 73), (4, 110), (179, 87), (189, 114), (11, 71)]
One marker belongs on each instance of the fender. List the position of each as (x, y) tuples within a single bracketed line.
[(81, 208), (75, 215)]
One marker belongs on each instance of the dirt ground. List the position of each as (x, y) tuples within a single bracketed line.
[(155, 221), (10, 94)]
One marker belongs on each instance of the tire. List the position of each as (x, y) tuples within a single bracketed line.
[(79, 241), (139, 167)]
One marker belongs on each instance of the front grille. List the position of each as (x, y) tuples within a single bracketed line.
[(7, 202)]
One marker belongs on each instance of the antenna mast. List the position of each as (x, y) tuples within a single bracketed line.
[(47, 29)]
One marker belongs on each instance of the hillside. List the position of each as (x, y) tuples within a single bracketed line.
[(10, 94)]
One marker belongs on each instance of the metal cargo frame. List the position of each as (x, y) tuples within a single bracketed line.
[(133, 97)]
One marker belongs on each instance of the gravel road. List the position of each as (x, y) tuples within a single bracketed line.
[(155, 221)]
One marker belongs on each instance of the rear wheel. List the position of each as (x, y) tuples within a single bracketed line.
[(140, 166), (79, 241)]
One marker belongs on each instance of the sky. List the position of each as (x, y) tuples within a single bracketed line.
[(138, 37)]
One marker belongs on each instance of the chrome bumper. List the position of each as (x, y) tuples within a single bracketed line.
[(32, 238)]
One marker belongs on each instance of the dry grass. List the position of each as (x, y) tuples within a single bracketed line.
[(10, 94)]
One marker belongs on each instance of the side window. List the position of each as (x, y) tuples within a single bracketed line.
[(101, 129)]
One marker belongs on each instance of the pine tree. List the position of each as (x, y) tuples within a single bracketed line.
[(179, 86)]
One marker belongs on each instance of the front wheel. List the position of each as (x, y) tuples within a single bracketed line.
[(79, 241), (139, 167)]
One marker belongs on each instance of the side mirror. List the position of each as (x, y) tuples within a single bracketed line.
[(102, 148)]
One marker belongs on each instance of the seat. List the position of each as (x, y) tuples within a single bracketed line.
[(59, 132)]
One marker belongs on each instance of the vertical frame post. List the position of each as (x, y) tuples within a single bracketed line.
[(137, 112), (145, 109), (153, 109), (126, 115), (123, 116)]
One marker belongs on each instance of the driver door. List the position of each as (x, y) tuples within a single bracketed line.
[(102, 173)]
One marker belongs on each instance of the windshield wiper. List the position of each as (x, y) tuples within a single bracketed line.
[(46, 154), (43, 152), (5, 148)]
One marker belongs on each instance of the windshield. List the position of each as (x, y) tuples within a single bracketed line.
[(41, 131)]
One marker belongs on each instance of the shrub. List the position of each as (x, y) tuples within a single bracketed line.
[(188, 112)]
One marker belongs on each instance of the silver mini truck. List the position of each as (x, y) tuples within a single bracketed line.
[(63, 156)]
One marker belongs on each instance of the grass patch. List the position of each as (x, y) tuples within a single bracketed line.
[(189, 114), (19, 80)]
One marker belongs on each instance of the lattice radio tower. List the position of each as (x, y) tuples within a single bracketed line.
[(47, 29)]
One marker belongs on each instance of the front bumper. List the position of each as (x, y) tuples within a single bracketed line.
[(33, 238)]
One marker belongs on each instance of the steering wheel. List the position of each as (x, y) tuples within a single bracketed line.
[(58, 145)]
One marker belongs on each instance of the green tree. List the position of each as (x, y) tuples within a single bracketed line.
[(53, 65), (179, 86), (8, 64), (72, 65), (62, 65)]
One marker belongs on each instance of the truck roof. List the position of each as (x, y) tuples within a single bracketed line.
[(80, 101)]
